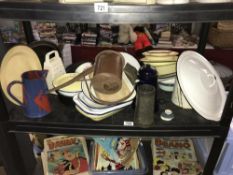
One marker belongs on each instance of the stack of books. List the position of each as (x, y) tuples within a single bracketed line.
[(164, 31), (174, 156), (88, 39), (69, 37), (65, 155), (105, 34), (44, 31)]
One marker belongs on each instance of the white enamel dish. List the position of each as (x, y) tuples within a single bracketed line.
[(67, 94), (95, 117), (90, 102), (201, 85), (111, 97), (93, 111)]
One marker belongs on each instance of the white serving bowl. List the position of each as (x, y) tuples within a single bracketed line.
[(98, 111), (167, 58)]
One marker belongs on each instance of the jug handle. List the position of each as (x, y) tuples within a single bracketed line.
[(10, 93), (48, 55)]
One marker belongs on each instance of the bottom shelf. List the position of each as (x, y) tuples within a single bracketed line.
[(202, 147)]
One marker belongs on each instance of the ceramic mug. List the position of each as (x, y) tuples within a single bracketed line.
[(35, 100)]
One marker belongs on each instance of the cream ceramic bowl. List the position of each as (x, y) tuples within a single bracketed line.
[(164, 68), (167, 58)]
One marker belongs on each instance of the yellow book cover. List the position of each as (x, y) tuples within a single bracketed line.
[(65, 156), (174, 156)]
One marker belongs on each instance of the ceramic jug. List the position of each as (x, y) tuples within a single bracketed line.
[(35, 100)]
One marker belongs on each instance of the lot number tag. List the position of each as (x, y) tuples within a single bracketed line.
[(128, 123), (101, 7)]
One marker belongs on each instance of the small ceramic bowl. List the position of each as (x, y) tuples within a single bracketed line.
[(167, 84)]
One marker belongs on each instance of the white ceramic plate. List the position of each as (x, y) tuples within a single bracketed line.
[(83, 67), (17, 60), (131, 60), (201, 85)]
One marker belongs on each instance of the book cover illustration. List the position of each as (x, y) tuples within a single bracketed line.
[(108, 144), (174, 156), (120, 149), (104, 162), (66, 156)]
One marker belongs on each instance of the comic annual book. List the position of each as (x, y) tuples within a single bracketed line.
[(65, 155), (104, 162), (174, 156), (119, 148)]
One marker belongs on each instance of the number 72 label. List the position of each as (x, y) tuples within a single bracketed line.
[(101, 7)]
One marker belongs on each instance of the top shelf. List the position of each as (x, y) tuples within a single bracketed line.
[(84, 13)]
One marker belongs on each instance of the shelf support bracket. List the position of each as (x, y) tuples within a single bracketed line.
[(28, 31), (203, 37)]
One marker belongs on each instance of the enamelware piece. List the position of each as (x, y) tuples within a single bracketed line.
[(201, 85), (17, 60)]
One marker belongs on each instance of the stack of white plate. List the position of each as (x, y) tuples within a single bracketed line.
[(164, 61), (96, 111)]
